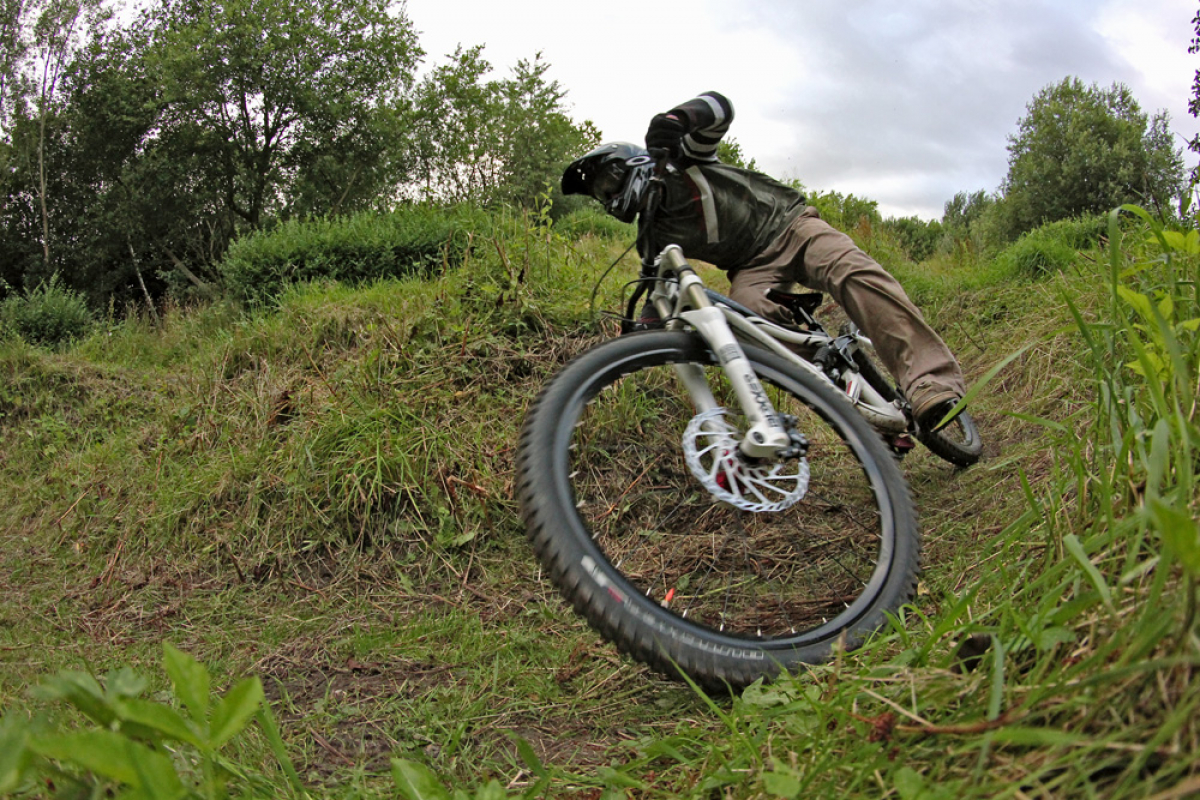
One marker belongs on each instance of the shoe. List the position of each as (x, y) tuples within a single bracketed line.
[(933, 418), (649, 319)]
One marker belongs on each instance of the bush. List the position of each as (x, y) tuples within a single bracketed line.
[(49, 314), (412, 240), (1082, 233), (1053, 247), (591, 220), (918, 238)]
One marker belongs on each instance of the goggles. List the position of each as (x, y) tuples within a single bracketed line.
[(607, 182)]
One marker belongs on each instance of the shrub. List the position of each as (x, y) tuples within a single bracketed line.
[(918, 238), (1082, 233), (49, 314), (591, 220), (412, 240), (1053, 247)]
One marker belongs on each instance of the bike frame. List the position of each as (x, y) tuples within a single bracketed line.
[(681, 298)]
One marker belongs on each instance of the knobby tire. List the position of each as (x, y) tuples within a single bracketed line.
[(958, 443), (683, 582)]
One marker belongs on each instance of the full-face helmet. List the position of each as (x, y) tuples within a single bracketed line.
[(617, 174)]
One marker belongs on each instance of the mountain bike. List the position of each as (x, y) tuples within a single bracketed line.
[(719, 495)]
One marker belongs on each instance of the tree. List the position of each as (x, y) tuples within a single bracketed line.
[(12, 52), (201, 119), (964, 210), (1194, 101), (454, 129), (537, 138), (38, 40), (729, 151), (275, 88), (1082, 149), (492, 141)]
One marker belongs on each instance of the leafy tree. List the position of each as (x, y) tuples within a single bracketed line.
[(845, 211), (454, 128), (201, 119), (12, 53), (1082, 149), (729, 151), (963, 210), (918, 238), (492, 141), (1194, 101), (273, 88), (965, 220), (537, 138), (38, 40)]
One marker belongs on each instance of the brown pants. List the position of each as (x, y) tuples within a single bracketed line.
[(813, 253)]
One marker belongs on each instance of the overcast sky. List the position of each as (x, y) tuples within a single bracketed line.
[(905, 102)]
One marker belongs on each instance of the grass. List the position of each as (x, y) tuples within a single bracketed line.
[(321, 496)]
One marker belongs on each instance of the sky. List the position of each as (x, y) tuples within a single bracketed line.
[(905, 102)]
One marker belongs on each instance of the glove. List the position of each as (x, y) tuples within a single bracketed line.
[(666, 132)]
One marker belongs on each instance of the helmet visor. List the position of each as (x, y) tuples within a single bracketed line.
[(607, 182)]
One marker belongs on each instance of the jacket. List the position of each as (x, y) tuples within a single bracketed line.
[(716, 212)]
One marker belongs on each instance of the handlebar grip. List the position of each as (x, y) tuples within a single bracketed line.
[(661, 156)]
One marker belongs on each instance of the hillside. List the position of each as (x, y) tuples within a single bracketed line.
[(320, 495)]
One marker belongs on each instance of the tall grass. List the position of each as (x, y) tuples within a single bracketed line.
[(411, 240), (322, 485), (1066, 666)]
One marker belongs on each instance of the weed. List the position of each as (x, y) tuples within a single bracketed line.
[(147, 749), (318, 493), (48, 314)]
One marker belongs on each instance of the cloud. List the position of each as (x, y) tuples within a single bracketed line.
[(912, 103), (903, 103)]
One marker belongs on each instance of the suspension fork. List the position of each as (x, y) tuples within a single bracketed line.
[(767, 435)]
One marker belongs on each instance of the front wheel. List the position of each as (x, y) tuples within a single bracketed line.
[(678, 579)]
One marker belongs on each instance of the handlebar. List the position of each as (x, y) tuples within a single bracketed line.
[(645, 237)]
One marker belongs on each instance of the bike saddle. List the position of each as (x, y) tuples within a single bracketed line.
[(802, 305)]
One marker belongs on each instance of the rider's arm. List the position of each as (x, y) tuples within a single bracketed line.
[(693, 129)]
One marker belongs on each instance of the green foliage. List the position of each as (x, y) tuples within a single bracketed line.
[(964, 224), (845, 211), (415, 781), (590, 220), (1084, 150), (274, 85), (145, 749), (194, 122), (918, 238), (412, 240), (1035, 255), (1053, 247), (48, 314), (729, 151), (492, 141)]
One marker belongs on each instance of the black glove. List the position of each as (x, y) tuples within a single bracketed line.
[(666, 132)]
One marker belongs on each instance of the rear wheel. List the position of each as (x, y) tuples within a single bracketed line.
[(959, 442), (678, 579)]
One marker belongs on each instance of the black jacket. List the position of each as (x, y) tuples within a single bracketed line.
[(715, 212)]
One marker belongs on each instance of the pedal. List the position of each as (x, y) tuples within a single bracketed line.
[(899, 444)]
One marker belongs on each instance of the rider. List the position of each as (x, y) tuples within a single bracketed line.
[(763, 233)]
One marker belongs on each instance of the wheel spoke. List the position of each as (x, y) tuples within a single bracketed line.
[(679, 577)]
